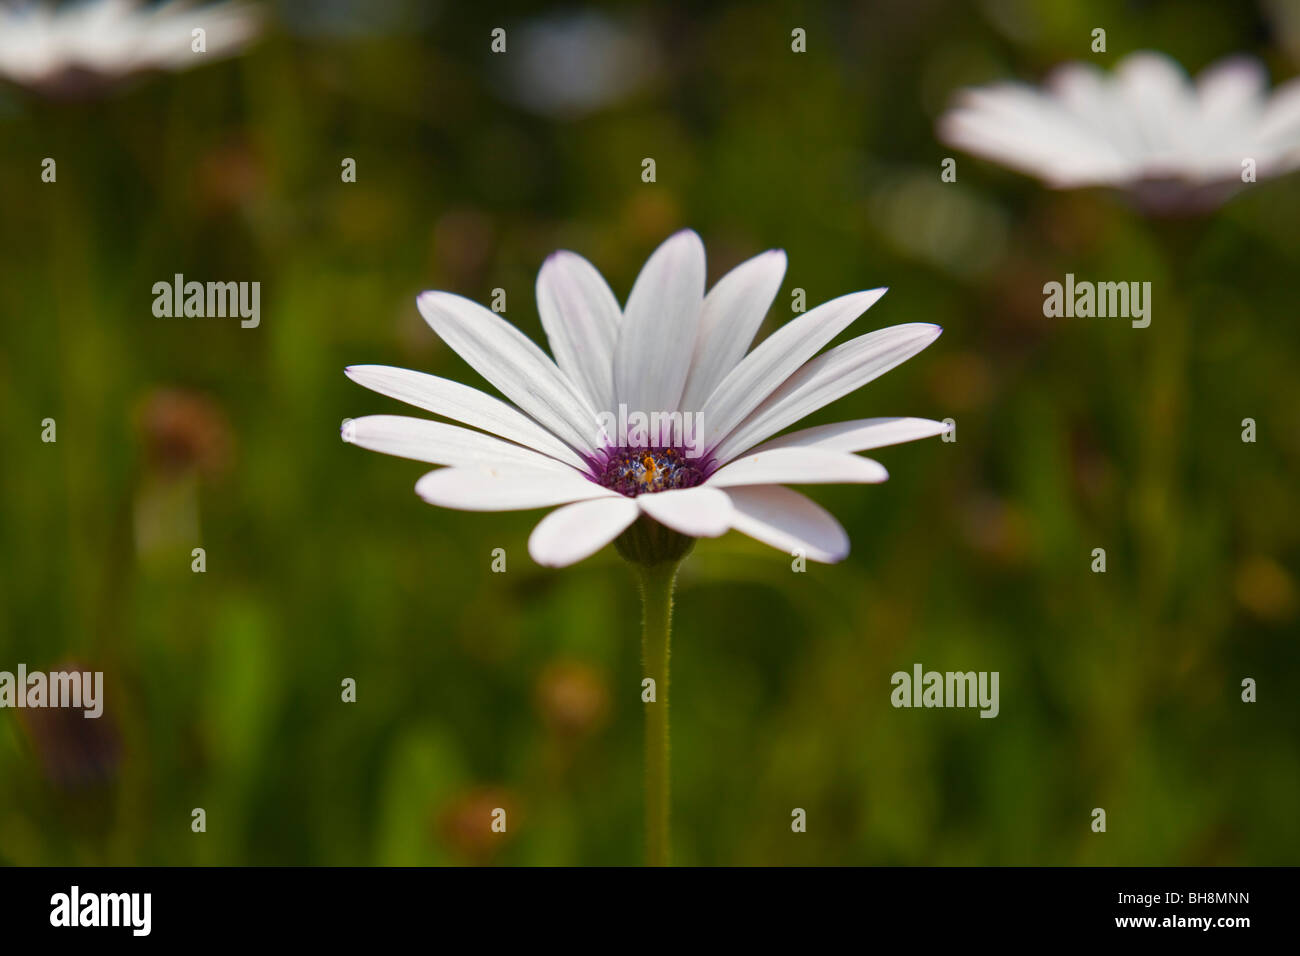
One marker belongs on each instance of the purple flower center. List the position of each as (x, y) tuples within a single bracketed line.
[(638, 471)]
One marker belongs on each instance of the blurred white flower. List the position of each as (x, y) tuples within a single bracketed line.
[(1147, 128), (68, 50), (573, 64)]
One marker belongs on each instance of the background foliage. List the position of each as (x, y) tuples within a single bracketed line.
[(477, 690)]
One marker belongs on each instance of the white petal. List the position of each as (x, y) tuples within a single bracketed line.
[(789, 522), (164, 36), (463, 404), (1159, 96), (763, 370), (440, 444), (1099, 125), (657, 336), (1280, 124), (1231, 90), (581, 319), (1148, 73), (577, 531), (504, 488), (509, 360), (732, 312), (798, 466), (1081, 88), (861, 434), (699, 512), (826, 378), (1025, 130)]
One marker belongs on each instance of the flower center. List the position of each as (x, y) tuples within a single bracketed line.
[(638, 471)]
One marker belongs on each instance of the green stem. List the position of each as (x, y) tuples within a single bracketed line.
[(656, 583)]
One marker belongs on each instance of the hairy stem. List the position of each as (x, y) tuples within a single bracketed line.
[(656, 582)]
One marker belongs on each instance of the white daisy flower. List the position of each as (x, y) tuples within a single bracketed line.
[(1146, 128), (706, 463), (69, 49)]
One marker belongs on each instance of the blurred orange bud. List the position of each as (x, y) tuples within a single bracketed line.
[(652, 214), (1265, 589), (475, 823), (573, 698), (183, 431), (75, 752), (230, 176)]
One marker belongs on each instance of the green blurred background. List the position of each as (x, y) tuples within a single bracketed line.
[(521, 690)]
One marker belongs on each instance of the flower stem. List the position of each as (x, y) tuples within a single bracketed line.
[(656, 582)]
